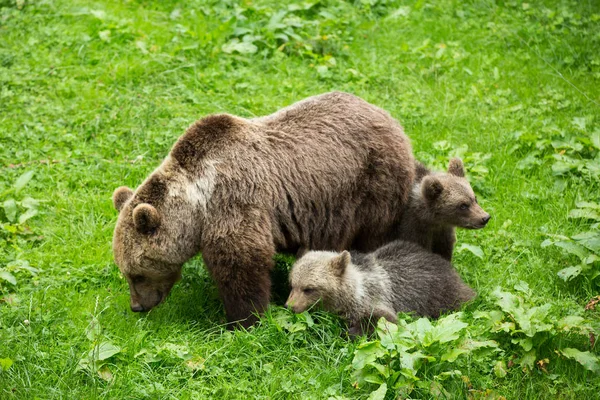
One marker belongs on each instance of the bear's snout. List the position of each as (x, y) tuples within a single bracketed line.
[(137, 307), (485, 219)]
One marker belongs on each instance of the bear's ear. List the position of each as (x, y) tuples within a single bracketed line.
[(145, 218), (455, 167), (431, 187), (120, 196), (339, 263)]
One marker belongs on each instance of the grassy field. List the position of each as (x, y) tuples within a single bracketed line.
[(94, 93)]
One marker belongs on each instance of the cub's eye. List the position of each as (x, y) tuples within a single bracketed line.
[(464, 206), (137, 279), (308, 290)]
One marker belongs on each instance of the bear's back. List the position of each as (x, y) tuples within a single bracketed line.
[(422, 281), (331, 172)]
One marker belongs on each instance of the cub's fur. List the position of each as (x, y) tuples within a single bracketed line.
[(330, 172), (439, 202), (398, 277)]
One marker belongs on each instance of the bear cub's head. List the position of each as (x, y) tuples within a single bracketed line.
[(153, 238), (450, 201), (318, 275)]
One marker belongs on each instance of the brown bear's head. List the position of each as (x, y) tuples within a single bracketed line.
[(318, 275), (450, 200), (155, 234)]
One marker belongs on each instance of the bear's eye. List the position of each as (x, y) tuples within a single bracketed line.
[(137, 279), (308, 290), (464, 206)]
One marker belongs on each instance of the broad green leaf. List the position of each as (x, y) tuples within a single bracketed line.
[(442, 145), (573, 248), (590, 240), (591, 259), (29, 202), (452, 354), (22, 181), (595, 138), (504, 327), (508, 302), (20, 265), (500, 369), (526, 344), (373, 377), (393, 337), (8, 277), (561, 167), (420, 327), (534, 319), (378, 394), (105, 373), (10, 209), (586, 213), (475, 250), (579, 122), (410, 361), (446, 330), (522, 287), (566, 274), (585, 358), (27, 214), (241, 47), (308, 319), (367, 353), (297, 327), (178, 351), (93, 330), (103, 351), (587, 204), (471, 345), (571, 322), (528, 359), (104, 35), (384, 370), (5, 364)]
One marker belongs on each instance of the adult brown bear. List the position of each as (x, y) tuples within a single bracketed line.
[(331, 172)]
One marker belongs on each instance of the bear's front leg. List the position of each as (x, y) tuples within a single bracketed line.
[(240, 263)]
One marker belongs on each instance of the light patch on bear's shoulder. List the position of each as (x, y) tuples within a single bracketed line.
[(416, 191), (356, 278), (199, 190)]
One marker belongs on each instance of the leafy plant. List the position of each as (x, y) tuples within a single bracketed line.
[(17, 210), (585, 246), (527, 328), (308, 29), (96, 360), (571, 152), (419, 355)]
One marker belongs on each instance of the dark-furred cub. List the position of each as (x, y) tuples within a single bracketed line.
[(439, 202), (398, 277)]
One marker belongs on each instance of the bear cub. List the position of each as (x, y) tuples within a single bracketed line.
[(398, 277), (439, 202)]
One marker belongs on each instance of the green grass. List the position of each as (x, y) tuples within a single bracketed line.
[(93, 94)]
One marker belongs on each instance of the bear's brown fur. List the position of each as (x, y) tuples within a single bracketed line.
[(439, 202), (398, 277), (331, 172)]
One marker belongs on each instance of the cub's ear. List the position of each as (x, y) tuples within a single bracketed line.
[(145, 218), (431, 187), (120, 196), (339, 263), (456, 168)]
